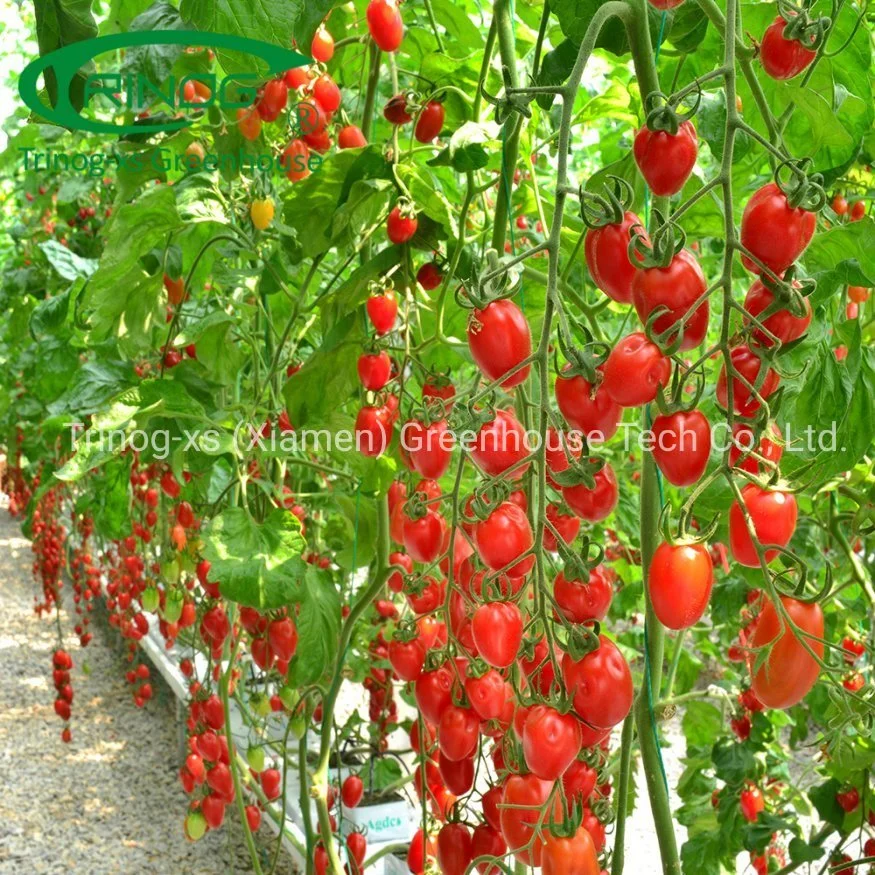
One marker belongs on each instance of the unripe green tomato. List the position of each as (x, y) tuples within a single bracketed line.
[(151, 599), (298, 726), (289, 697), (195, 825), (255, 758), (173, 603), (260, 704)]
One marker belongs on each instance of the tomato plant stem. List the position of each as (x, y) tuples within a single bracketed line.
[(625, 781)]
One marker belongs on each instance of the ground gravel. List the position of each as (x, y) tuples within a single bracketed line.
[(109, 802)]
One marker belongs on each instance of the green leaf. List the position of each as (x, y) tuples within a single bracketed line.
[(312, 14), (67, 264), (823, 798), (733, 762), (121, 298), (556, 68), (575, 17), (802, 852), (318, 624), (701, 722), (154, 61), (466, 149), (688, 27), (268, 22), (703, 854), (91, 387), (333, 369), (61, 23), (256, 564), (108, 499), (51, 314)]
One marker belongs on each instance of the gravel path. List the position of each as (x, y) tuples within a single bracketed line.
[(109, 802)]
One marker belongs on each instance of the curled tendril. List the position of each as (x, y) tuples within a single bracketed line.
[(678, 400), (802, 189), (801, 26), (471, 418), (685, 533), (667, 241), (662, 110), (512, 101), (500, 282), (584, 360), (485, 500), (600, 210), (583, 640), (580, 565), (790, 292)]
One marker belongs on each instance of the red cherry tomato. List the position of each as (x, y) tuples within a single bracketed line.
[(681, 446), (580, 601), (748, 364), (666, 160), (679, 581), (635, 370), (430, 122), (597, 503), (783, 58), (676, 287), (782, 323), (607, 257), (498, 631), (551, 741), (601, 684), (773, 514), (586, 408), (525, 797), (773, 231), (400, 226), (503, 537), (574, 855), (500, 444), (789, 670), (500, 339), (385, 24)]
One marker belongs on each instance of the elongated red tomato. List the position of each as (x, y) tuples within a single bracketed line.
[(607, 257), (487, 841), (433, 692), (789, 671), (743, 442), (748, 364), (429, 447), (682, 445), (559, 448), (782, 323), (521, 813), (635, 370), (597, 503), (783, 58), (501, 444), (601, 684), (374, 370), (423, 537), (430, 122), (773, 231), (401, 225), (679, 581), (773, 514), (587, 408), (551, 741), (503, 537), (583, 601), (373, 429), (487, 694), (458, 731), (677, 287), (666, 160), (499, 338), (566, 524), (498, 631), (385, 24), (454, 851), (573, 855)]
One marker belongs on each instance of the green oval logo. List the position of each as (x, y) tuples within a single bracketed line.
[(67, 61)]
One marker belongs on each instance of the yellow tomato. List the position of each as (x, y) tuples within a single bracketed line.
[(261, 213)]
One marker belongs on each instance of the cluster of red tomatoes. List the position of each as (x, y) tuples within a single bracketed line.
[(351, 793), (62, 665), (49, 537)]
